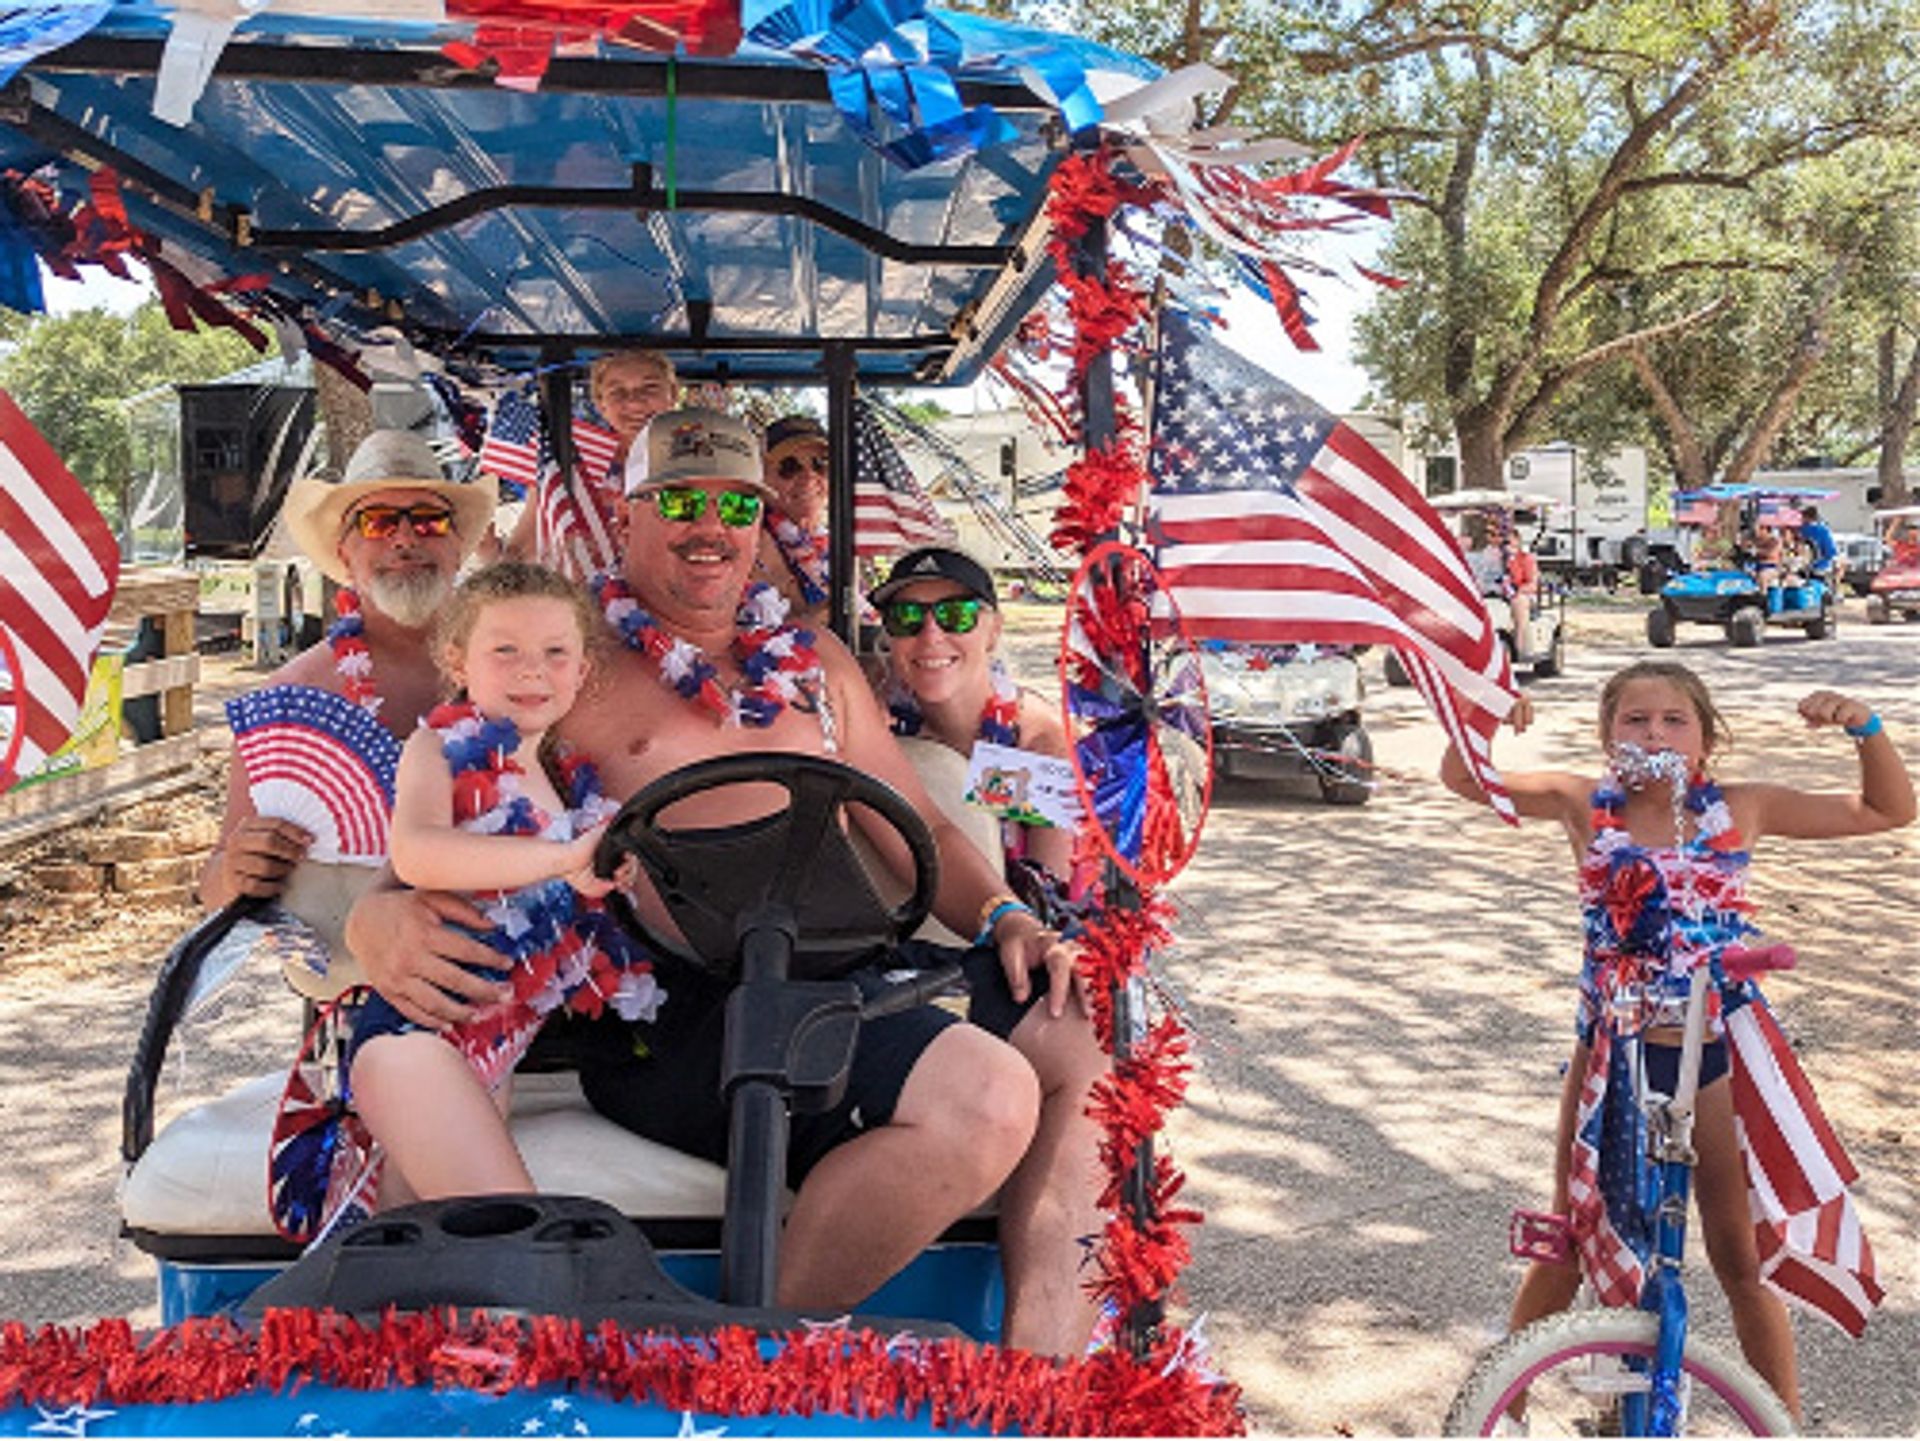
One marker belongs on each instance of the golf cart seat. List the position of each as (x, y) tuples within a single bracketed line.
[(197, 1190)]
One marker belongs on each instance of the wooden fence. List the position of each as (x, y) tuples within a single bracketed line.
[(165, 600)]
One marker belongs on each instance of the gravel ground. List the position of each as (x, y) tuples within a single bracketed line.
[(1381, 999)]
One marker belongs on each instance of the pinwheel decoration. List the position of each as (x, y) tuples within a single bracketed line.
[(1136, 707), (321, 1151)]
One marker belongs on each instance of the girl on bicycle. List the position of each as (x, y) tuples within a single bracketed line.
[(1662, 849), (486, 802)]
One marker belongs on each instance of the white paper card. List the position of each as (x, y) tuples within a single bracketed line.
[(1022, 785)]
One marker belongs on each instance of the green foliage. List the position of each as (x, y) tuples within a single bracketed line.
[(69, 374)]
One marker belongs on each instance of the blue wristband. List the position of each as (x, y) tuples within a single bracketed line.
[(985, 938), (1870, 727)]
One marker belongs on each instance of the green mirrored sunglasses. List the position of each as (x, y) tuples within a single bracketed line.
[(956, 615), (686, 504)]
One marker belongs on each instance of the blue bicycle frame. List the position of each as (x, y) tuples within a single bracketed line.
[(1665, 1186)]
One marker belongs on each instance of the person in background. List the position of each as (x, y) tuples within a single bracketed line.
[(577, 524), (793, 547)]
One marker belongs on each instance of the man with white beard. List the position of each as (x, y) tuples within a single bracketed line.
[(393, 530)]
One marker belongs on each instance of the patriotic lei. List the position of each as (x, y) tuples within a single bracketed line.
[(805, 552), (351, 658), (1650, 912), (999, 717), (561, 948), (778, 660)]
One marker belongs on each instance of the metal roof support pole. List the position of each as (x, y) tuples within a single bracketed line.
[(556, 403), (841, 565), (1098, 430)]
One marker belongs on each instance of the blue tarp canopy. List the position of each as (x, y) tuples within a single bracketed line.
[(725, 210)]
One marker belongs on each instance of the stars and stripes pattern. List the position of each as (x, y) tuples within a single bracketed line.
[(1611, 1228), (1812, 1248), (577, 520), (315, 758), (891, 513), (1273, 522), (58, 568)]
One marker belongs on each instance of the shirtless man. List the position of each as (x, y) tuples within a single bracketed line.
[(395, 530), (940, 1114)]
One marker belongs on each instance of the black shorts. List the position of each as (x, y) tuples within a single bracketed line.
[(1663, 1065), (661, 1079)]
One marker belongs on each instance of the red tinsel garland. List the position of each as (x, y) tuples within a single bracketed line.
[(822, 1370)]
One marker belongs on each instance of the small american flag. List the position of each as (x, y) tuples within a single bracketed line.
[(1274, 522), (594, 444), (58, 568), (891, 514), (515, 448), (1611, 1228), (1812, 1248)]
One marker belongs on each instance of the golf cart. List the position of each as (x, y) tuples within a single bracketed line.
[(1290, 711), (1507, 525), (347, 180), (1726, 586), (1896, 588)]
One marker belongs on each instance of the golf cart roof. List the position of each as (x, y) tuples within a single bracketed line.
[(1779, 494), (1896, 512), (1490, 500), (725, 209)]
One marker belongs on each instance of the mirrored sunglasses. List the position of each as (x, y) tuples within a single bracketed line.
[(378, 522), (956, 615), (685, 505), (793, 466)]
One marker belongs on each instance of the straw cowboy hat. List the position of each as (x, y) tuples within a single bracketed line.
[(318, 505)]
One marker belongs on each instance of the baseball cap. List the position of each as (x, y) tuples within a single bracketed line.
[(790, 428), (695, 445), (936, 562)]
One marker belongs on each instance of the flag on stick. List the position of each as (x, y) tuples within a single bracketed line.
[(891, 513), (58, 568), (1274, 522)]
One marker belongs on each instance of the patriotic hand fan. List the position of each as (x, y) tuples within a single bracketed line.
[(321, 1153), (320, 761), (1136, 709)]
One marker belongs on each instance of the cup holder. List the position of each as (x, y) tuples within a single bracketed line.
[(576, 1228), (376, 1234), (479, 1220)]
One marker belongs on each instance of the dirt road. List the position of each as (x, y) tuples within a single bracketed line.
[(1382, 1001)]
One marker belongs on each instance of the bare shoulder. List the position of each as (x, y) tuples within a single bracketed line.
[(314, 666), (1040, 728)]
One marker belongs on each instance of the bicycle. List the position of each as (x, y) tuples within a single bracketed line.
[(1630, 1371)]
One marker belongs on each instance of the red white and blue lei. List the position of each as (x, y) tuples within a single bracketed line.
[(561, 949), (777, 660), (805, 552), (351, 658), (999, 717)]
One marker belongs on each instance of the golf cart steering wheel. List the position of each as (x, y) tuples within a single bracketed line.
[(795, 868)]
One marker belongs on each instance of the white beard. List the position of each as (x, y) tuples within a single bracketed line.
[(411, 598)]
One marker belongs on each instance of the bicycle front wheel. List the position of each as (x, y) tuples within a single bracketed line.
[(1574, 1368)]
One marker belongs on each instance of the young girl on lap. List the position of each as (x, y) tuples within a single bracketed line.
[(1662, 849), (485, 802)]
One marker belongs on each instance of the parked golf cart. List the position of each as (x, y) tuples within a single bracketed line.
[(732, 214), (1724, 586), (1896, 588), (1518, 521), (1290, 711)]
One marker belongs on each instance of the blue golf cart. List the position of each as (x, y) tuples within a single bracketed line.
[(1726, 586)]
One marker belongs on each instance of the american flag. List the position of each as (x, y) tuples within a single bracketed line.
[(891, 513), (576, 526), (1812, 1248), (1274, 523), (515, 448), (1611, 1228), (58, 568)]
